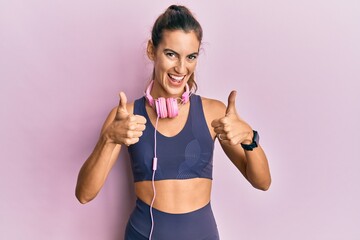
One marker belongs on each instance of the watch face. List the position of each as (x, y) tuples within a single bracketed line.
[(256, 137)]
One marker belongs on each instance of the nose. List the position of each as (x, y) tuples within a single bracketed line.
[(180, 67)]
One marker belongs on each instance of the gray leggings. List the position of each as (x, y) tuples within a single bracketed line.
[(197, 225)]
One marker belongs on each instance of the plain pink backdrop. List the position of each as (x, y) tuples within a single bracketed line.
[(295, 65)]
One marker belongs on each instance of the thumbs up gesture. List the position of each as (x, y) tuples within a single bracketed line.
[(126, 128), (231, 129)]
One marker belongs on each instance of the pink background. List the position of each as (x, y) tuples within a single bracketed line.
[(295, 64)]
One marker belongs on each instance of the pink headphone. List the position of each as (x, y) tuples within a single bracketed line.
[(166, 107)]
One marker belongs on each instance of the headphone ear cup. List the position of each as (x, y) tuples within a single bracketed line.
[(172, 107), (160, 106)]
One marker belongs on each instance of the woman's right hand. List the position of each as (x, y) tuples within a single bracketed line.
[(126, 128)]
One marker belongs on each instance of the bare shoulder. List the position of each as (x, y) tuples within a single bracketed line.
[(213, 108)]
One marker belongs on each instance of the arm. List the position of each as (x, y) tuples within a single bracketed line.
[(234, 131), (119, 128), (252, 164)]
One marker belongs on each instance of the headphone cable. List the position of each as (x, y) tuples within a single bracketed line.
[(153, 180)]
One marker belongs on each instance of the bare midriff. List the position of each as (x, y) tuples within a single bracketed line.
[(176, 195)]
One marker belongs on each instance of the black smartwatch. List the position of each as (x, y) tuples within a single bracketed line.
[(254, 144)]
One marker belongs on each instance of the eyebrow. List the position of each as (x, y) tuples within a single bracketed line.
[(168, 49)]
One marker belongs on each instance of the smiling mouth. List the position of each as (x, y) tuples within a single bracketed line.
[(175, 78)]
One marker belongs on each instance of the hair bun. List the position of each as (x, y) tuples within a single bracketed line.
[(175, 8)]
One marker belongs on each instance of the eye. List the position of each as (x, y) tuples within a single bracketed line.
[(170, 54), (192, 57)]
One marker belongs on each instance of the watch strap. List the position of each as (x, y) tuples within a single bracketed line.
[(253, 144)]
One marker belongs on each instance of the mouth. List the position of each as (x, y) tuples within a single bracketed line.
[(176, 79)]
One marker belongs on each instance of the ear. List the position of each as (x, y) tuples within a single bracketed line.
[(150, 50)]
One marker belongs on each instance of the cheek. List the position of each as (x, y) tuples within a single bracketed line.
[(163, 65), (192, 67)]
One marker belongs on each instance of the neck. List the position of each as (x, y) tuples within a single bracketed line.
[(158, 91)]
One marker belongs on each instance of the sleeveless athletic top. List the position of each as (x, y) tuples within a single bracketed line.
[(189, 154)]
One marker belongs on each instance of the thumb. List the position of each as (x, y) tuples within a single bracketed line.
[(122, 111), (231, 103)]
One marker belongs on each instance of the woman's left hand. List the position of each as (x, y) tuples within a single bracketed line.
[(231, 129)]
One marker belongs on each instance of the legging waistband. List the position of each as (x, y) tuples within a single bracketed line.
[(198, 225)]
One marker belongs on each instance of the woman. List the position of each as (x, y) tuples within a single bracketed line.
[(170, 136)]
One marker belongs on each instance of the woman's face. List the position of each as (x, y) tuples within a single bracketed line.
[(175, 61)]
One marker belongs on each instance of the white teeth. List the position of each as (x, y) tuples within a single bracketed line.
[(176, 78)]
